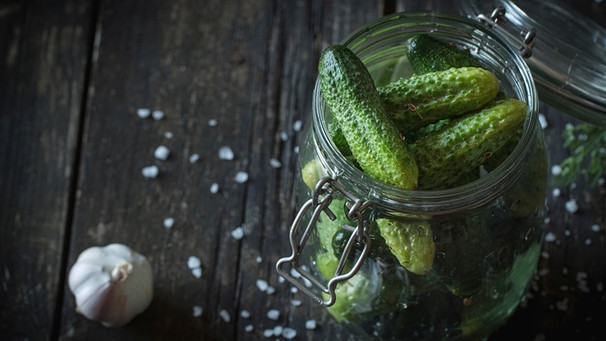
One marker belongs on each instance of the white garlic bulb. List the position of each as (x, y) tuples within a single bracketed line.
[(111, 284)]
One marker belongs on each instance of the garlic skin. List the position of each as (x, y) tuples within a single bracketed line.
[(111, 284)]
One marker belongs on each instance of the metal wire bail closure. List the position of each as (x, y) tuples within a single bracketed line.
[(497, 17), (299, 275)]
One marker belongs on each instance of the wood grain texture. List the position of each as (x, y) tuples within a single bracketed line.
[(42, 76), (72, 149)]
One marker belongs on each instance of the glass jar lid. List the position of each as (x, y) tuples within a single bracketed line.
[(567, 56)]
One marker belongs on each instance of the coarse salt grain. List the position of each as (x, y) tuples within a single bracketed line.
[(310, 324), (241, 177), (284, 136), (297, 125), (197, 272), (168, 135), (259, 259), (262, 285), (150, 172), (143, 112), (556, 192), (295, 302), (543, 121), (275, 163), (225, 315), (278, 330), (249, 328), (268, 333), (550, 237), (157, 115), (212, 122), (273, 314), (214, 188), (226, 153), (556, 170), (271, 290), (161, 153), (197, 311), (193, 262), (571, 206), (193, 158), (289, 333), (169, 222), (595, 228), (245, 314), (237, 233)]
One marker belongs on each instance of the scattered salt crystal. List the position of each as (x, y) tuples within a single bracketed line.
[(563, 304), (284, 136), (150, 172), (582, 282), (571, 206), (543, 272), (550, 237), (297, 125), (567, 233), (259, 259), (588, 241), (543, 121), (268, 333), (294, 273), (212, 122), (169, 222), (296, 150), (241, 177), (214, 188), (237, 233), (273, 314), (545, 255), (595, 228), (226, 153), (157, 115), (271, 290), (193, 158), (278, 330), (245, 313), (294, 290), (193, 262), (143, 112), (197, 311), (601, 181), (225, 315), (289, 333), (555, 192), (249, 328), (275, 163), (310, 324), (556, 170), (281, 279), (295, 303), (168, 135), (197, 272), (262, 285), (161, 153)]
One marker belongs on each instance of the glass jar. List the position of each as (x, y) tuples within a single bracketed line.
[(482, 238)]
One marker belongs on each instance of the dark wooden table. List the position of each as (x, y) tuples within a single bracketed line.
[(224, 73)]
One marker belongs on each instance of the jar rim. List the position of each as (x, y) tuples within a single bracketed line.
[(473, 194), (567, 60)]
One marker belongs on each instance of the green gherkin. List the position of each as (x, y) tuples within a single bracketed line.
[(375, 142), (428, 54), (422, 99), (465, 143), (411, 243)]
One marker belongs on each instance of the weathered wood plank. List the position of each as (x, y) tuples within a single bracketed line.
[(43, 53)]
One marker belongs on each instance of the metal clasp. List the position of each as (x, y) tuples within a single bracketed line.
[(319, 204), (497, 17)]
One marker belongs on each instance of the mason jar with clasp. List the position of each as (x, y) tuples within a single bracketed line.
[(472, 249)]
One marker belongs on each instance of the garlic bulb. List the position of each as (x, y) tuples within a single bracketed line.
[(111, 284)]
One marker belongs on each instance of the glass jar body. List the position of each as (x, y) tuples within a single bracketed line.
[(480, 241)]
